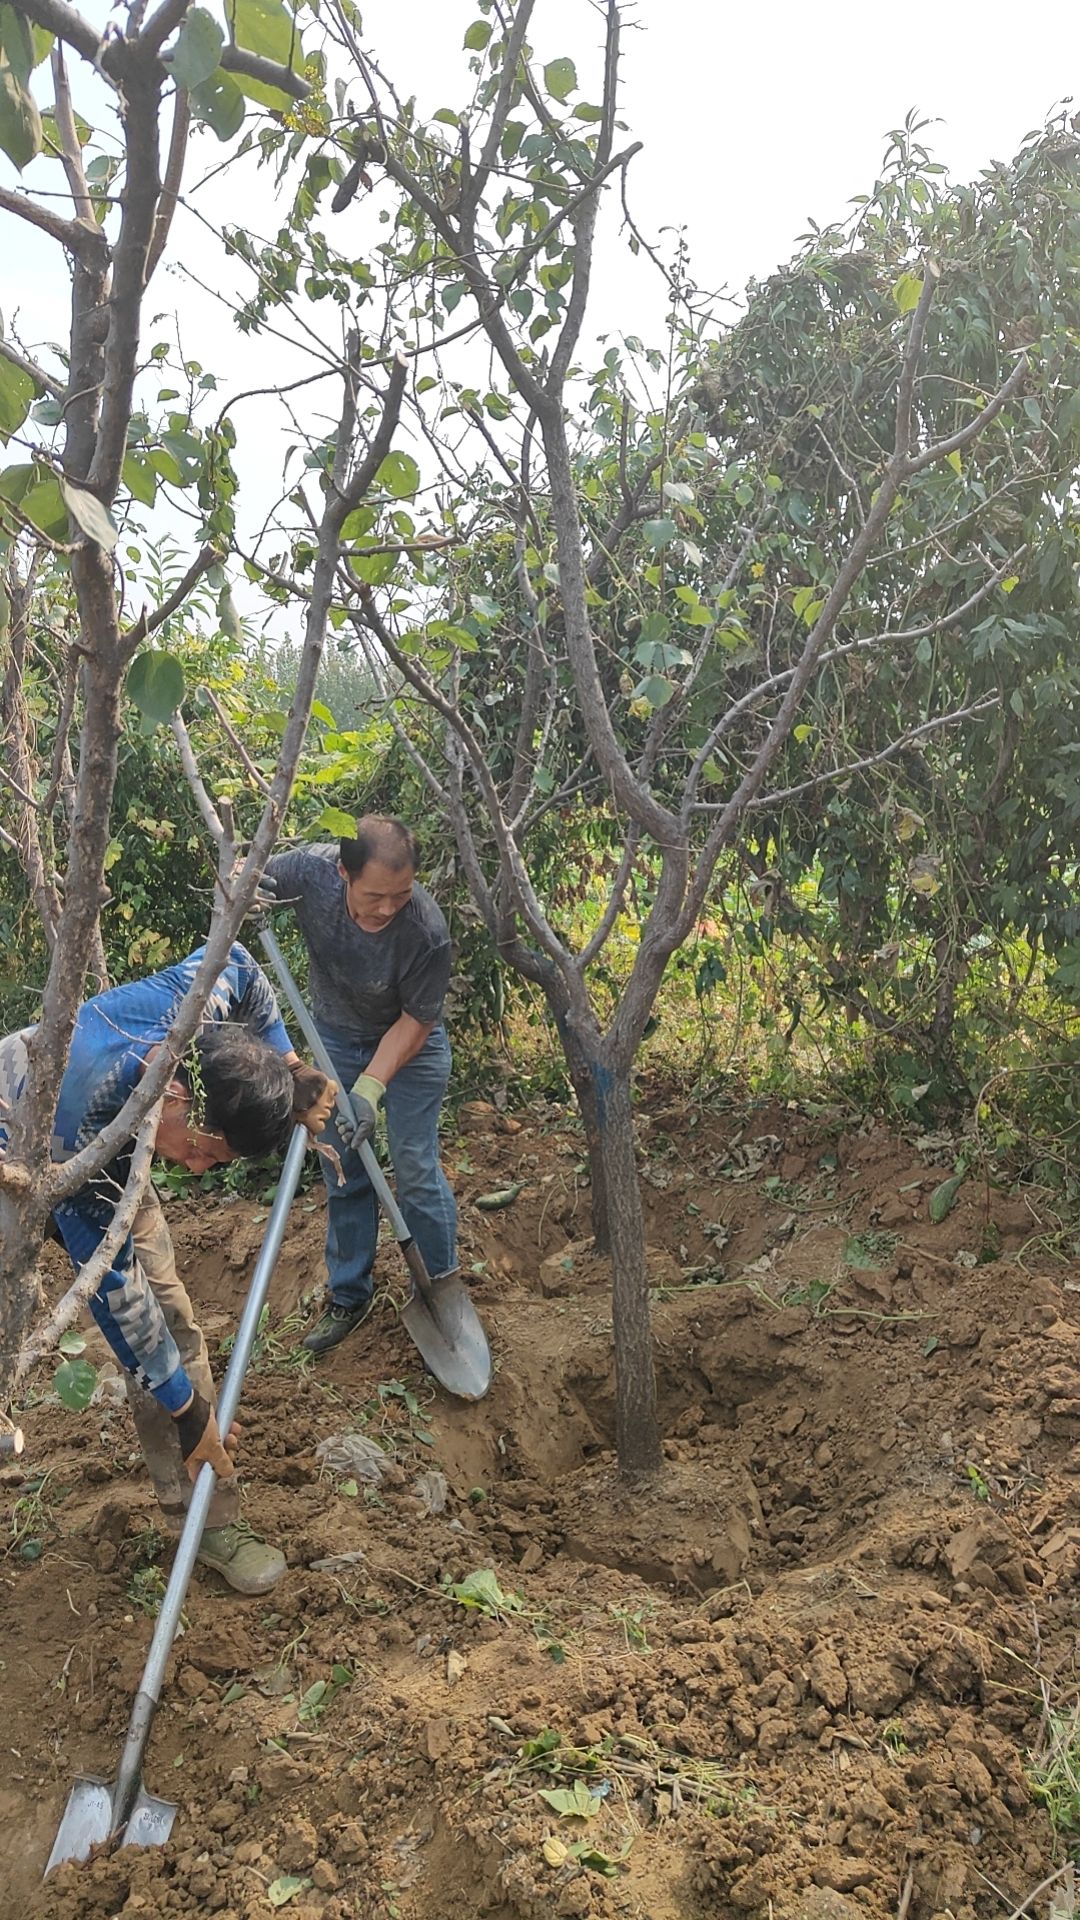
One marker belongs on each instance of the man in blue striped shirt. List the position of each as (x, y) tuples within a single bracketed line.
[(238, 1091)]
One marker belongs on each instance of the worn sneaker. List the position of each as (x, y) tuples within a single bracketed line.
[(336, 1323), (241, 1558)]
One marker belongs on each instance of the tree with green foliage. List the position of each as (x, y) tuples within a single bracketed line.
[(581, 641), (90, 453)]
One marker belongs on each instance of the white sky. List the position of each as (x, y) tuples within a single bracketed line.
[(752, 120)]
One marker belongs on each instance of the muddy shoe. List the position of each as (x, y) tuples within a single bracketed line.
[(337, 1322), (241, 1558)]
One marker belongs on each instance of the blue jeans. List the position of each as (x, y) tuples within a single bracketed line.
[(412, 1104)]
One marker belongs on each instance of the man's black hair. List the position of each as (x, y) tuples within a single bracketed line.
[(380, 837), (243, 1090)]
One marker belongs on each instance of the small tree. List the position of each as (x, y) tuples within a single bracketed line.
[(570, 554), (90, 452)]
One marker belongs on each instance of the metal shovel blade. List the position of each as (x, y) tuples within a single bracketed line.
[(449, 1337), (88, 1822)]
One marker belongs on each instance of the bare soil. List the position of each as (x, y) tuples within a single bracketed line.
[(800, 1677)]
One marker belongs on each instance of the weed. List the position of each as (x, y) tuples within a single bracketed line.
[(277, 1349), (813, 1295), (32, 1522), (320, 1697), (633, 1623), (870, 1250), (1054, 1772), (976, 1481)]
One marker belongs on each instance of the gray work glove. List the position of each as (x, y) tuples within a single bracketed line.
[(367, 1097)]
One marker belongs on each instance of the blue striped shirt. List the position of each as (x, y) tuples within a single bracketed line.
[(113, 1034)]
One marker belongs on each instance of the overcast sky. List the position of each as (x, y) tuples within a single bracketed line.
[(753, 120)]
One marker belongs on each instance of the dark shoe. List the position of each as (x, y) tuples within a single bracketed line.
[(241, 1558), (337, 1322)]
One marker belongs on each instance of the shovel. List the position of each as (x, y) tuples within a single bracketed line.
[(438, 1316), (98, 1814)]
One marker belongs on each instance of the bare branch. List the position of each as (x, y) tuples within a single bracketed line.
[(89, 1277), (235, 741), (67, 23), (170, 188), (70, 150), (148, 623), (83, 241), (194, 778), (834, 774), (956, 441), (30, 367), (254, 67)]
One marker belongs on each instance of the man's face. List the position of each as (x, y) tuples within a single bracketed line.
[(377, 893), (188, 1146)]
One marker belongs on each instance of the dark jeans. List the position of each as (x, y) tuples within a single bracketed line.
[(413, 1100)]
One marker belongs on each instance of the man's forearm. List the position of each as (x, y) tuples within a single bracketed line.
[(399, 1044)]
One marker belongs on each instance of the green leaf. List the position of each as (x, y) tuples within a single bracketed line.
[(21, 136), (219, 104), (198, 49), (89, 515), (17, 392), (156, 684), (338, 824), (75, 1381), (399, 475), (954, 461), (659, 533), (560, 78), (166, 466), (484, 607), (907, 292), (1013, 581), (5, 614), (286, 1887), (43, 503), (17, 43), (572, 1803), (71, 1343), (656, 688), (228, 618), (140, 479), (943, 1198), (478, 36), (266, 27), (482, 1590)]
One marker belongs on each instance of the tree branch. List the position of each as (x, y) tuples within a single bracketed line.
[(170, 189), (235, 741), (956, 441), (85, 242), (66, 23), (30, 367), (89, 1277), (783, 794), (194, 778), (254, 67), (148, 623), (70, 150)]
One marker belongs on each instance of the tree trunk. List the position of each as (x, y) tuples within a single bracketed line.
[(584, 1085), (637, 1436), (21, 1233)]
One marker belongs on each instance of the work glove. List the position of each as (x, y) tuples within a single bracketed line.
[(200, 1439), (267, 897), (367, 1097), (313, 1097)]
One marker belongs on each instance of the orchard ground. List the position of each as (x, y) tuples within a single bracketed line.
[(815, 1672)]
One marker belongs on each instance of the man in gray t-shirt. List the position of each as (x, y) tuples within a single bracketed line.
[(379, 966)]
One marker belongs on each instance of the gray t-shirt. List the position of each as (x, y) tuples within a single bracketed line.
[(361, 982)]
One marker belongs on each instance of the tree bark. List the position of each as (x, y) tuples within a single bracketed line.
[(584, 1085), (637, 1435)]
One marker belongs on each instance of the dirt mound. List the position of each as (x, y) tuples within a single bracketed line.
[(797, 1676)]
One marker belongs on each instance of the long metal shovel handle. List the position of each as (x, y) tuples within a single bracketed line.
[(384, 1193), (146, 1700)]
